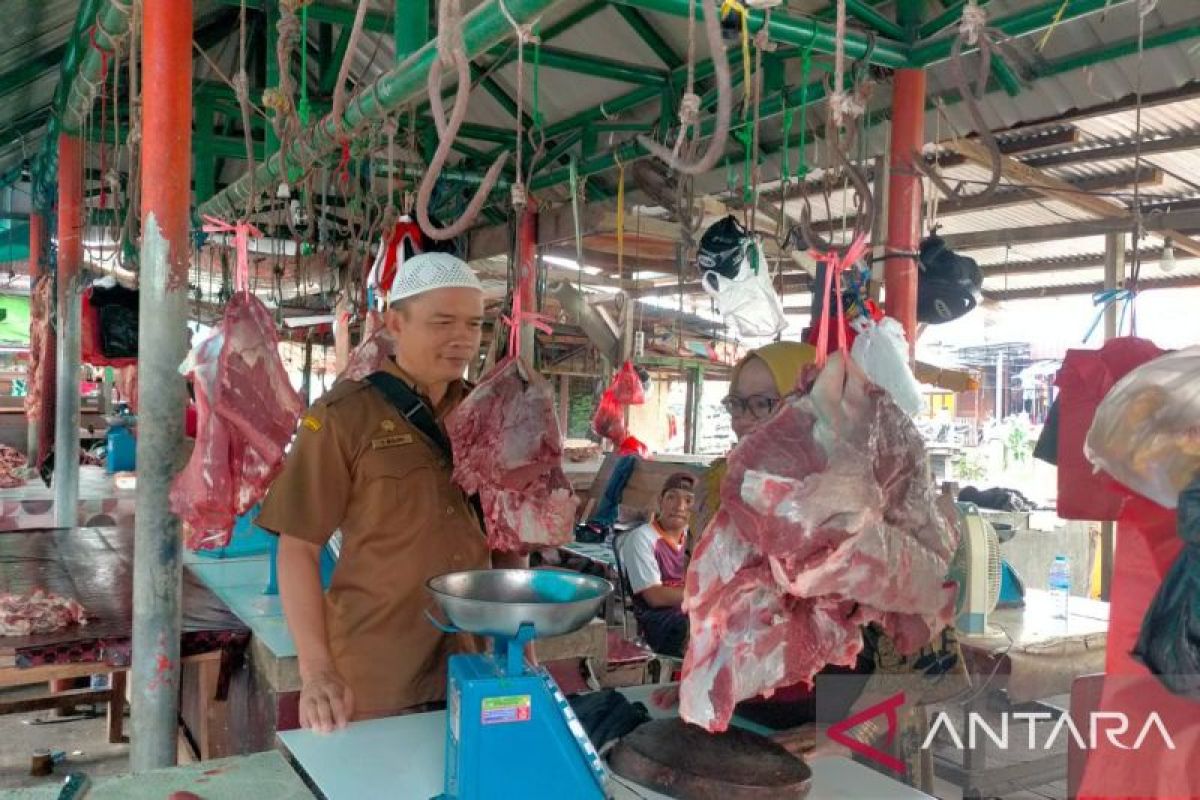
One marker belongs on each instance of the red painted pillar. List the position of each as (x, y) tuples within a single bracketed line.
[(904, 199), (162, 344), (35, 399), (527, 234)]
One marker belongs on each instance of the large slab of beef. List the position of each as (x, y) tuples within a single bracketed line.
[(828, 522), (508, 449), (246, 414), (38, 612)]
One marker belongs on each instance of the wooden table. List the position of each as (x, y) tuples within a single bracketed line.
[(361, 761), (95, 567), (1031, 658), (262, 776)]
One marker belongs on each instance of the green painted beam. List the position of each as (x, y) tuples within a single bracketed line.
[(498, 94), (628, 151), (484, 27), (951, 16), (909, 16), (876, 21), (334, 13), (330, 74), (111, 24), (410, 26), (798, 31), (1004, 75), (1022, 23), (1122, 49), (637, 97), (508, 54), (32, 69), (600, 67), (650, 35), (203, 158)]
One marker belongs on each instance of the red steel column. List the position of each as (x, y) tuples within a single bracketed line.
[(34, 399), (904, 199), (162, 342), (527, 234)]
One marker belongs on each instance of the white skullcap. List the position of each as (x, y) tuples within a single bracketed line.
[(425, 272)]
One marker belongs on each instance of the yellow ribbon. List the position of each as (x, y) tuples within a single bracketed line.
[(620, 220), (733, 6)]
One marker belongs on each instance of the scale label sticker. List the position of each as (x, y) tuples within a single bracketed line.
[(453, 711), (501, 710)]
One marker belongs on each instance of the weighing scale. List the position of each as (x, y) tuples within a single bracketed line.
[(510, 732)]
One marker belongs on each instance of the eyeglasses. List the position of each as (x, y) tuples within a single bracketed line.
[(759, 406)]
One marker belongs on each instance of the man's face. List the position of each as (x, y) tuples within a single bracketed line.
[(675, 509), (438, 333)]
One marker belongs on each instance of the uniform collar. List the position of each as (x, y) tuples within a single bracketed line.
[(455, 392)]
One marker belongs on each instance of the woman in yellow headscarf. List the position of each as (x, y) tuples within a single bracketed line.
[(758, 384)]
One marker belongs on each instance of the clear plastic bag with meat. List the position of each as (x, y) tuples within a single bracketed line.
[(508, 450), (1146, 432), (828, 522), (246, 414)]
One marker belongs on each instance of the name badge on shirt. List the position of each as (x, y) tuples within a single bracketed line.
[(391, 441)]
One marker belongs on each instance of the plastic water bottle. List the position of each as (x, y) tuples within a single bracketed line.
[(1060, 587)]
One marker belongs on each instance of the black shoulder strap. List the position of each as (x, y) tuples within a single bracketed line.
[(412, 408)]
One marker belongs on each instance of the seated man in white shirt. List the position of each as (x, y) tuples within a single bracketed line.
[(655, 561)]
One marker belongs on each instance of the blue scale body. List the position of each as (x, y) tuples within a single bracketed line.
[(510, 732)]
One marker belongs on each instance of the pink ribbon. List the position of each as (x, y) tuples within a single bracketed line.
[(241, 241), (834, 265), (519, 316)]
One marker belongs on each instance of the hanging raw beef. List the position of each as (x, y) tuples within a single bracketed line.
[(828, 522), (508, 450), (247, 412)]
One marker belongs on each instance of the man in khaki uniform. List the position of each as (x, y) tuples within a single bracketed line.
[(358, 464)]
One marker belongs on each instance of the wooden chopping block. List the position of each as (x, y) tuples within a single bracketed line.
[(685, 761)]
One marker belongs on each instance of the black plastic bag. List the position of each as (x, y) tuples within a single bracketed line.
[(947, 283), (723, 248), (1169, 642), (118, 331), (607, 715)]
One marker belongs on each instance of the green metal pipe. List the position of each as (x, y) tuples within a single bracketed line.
[(797, 31), (482, 28), (600, 67), (1022, 23), (1122, 49), (650, 35), (112, 23), (874, 20)]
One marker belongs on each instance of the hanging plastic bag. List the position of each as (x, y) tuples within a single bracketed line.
[(749, 303), (1169, 642), (882, 351), (627, 386), (1084, 380), (1146, 432), (609, 420)]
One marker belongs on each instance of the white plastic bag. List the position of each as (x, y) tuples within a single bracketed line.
[(882, 351), (1146, 432), (749, 303)]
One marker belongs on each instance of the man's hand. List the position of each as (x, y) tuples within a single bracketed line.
[(326, 702)]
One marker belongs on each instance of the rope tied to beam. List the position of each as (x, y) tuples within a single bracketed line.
[(450, 45), (716, 146)]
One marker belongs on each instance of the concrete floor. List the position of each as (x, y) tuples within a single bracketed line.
[(85, 742)]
